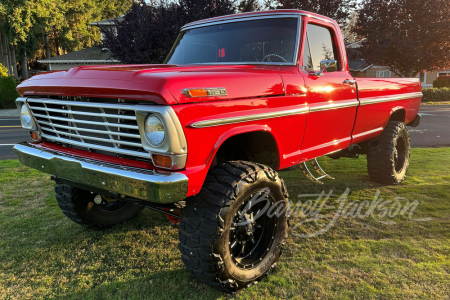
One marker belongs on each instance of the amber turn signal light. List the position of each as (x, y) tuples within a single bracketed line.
[(162, 161), (198, 93), (34, 136)]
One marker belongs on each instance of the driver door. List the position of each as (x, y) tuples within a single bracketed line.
[(331, 95)]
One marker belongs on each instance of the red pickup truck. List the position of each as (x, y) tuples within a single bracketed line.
[(200, 136)]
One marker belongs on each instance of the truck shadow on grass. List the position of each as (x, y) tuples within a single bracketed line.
[(45, 255)]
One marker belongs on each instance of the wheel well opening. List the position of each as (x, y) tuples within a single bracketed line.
[(398, 115), (259, 147)]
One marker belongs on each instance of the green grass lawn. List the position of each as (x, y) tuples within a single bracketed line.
[(44, 255)]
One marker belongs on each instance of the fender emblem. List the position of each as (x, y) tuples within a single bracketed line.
[(204, 92)]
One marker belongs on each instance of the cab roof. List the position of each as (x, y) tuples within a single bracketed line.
[(280, 12)]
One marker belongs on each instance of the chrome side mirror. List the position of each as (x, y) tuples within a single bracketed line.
[(328, 65)]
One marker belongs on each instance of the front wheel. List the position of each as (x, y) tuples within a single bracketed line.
[(91, 210), (232, 232), (388, 155)]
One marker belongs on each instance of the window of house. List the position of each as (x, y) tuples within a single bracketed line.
[(319, 46), (385, 74), (422, 76)]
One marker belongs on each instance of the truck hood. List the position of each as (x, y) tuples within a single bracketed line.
[(162, 84)]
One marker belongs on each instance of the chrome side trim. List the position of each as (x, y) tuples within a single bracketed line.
[(372, 100), (137, 183), (248, 118), (367, 132), (337, 105)]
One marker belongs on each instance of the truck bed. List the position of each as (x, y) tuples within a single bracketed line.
[(380, 98)]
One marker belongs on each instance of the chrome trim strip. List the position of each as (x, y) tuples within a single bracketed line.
[(98, 147), (248, 118), (336, 105), (372, 100), (143, 184), (367, 133)]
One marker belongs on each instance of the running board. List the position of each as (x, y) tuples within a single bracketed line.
[(315, 164)]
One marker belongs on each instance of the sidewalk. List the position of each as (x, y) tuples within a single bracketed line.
[(9, 113)]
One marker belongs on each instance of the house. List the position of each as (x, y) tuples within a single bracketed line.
[(95, 55), (360, 68)]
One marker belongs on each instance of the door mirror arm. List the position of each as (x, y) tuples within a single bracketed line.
[(324, 66)]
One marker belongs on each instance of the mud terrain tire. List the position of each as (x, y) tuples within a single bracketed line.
[(208, 227), (79, 206)]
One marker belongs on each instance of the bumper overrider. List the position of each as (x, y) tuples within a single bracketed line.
[(138, 183)]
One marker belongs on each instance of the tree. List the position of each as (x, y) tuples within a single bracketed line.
[(249, 5), (148, 31), (338, 10), (408, 36), (194, 10)]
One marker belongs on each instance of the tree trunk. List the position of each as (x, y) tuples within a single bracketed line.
[(24, 65), (6, 54), (1, 51), (14, 61), (10, 58), (47, 51)]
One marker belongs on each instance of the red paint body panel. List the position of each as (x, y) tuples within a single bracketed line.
[(203, 143), (372, 118), (162, 84), (251, 89)]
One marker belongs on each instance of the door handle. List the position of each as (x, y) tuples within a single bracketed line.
[(350, 82)]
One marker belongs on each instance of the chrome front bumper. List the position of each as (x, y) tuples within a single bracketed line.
[(133, 182)]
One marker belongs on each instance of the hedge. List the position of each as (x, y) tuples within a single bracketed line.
[(436, 95), (3, 71), (442, 82), (8, 93)]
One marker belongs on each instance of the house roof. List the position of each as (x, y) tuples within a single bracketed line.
[(358, 65), (92, 55), (111, 21)]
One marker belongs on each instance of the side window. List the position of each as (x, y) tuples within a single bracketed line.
[(319, 46)]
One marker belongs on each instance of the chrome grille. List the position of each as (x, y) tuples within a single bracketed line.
[(107, 128)]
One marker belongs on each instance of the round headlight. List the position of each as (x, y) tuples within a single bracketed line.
[(25, 115), (154, 130)]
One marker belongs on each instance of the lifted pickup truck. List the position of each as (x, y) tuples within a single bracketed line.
[(200, 136)]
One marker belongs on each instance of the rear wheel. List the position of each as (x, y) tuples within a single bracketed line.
[(388, 155), (92, 210), (232, 232)]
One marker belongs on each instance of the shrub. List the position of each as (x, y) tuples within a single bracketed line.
[(8, 92), (436, 95), (442, 82), (3, 71)]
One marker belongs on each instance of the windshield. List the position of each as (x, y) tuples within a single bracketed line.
[(264, 41)]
